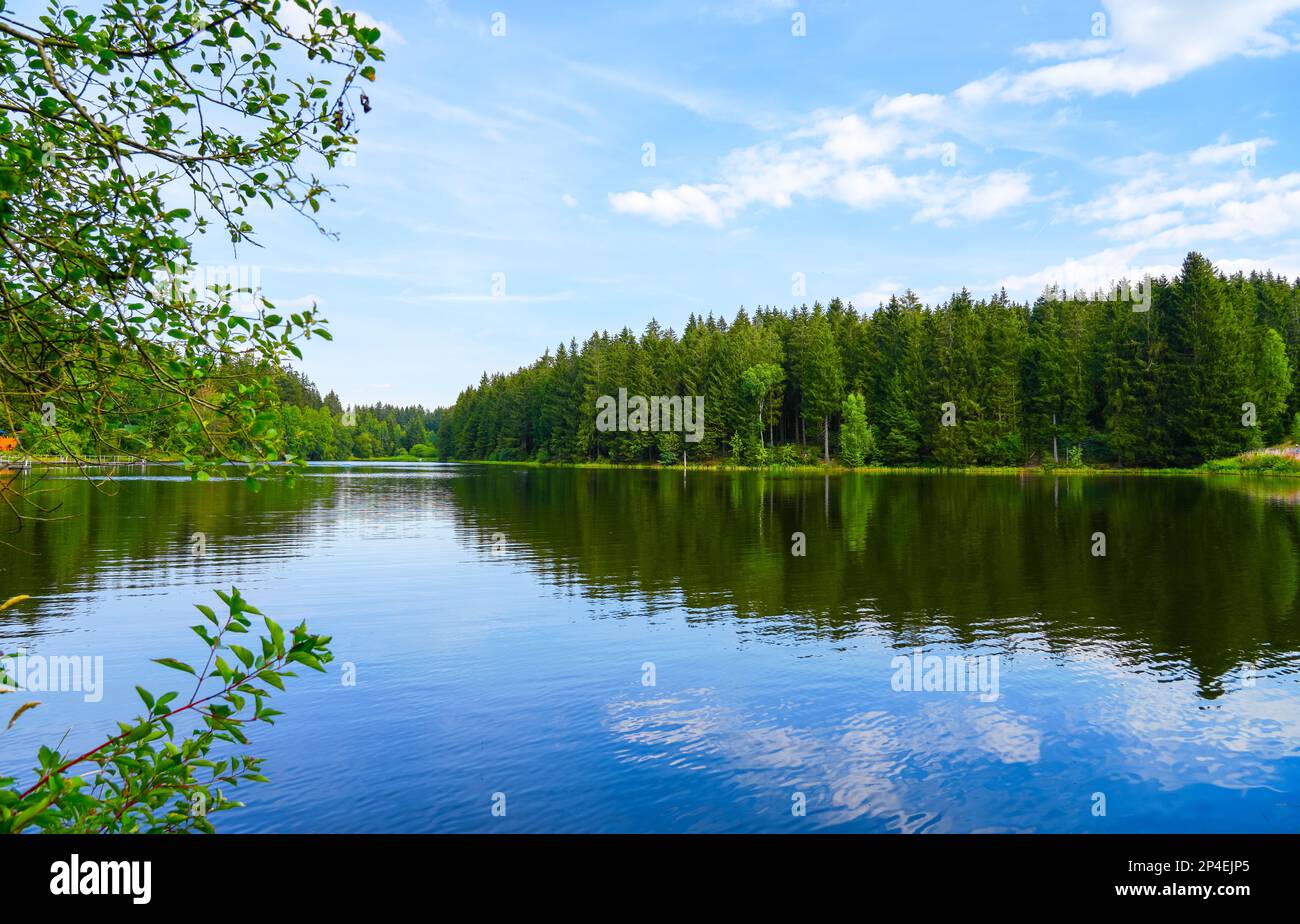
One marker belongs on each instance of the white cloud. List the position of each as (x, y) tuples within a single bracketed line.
[(1148, 43), (842, 164), (1174, 204), (937, 197), (670, 206), (1194, 199), (569, 200), (851, 139), (974, 199), (1144, 226), (920, 106), (868, 188), (1265, 208), (1222, 152), (1064, 51)]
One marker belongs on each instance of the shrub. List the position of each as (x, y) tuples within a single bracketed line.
[(670, 448), (143, 779)]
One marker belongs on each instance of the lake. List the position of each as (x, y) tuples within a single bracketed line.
[(636, 650)]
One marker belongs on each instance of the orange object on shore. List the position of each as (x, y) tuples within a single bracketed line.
[(8, 443)]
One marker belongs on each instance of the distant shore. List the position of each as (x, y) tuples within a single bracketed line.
[(1277, 467), (1219, 467)]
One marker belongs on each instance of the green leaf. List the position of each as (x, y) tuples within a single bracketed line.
[(277, 633), (174, 664), (303, 657), (137, 733)]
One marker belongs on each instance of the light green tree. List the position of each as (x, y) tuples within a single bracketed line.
[(758, 384), (857, 438)]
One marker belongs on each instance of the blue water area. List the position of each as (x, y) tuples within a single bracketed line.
[(632, 651)]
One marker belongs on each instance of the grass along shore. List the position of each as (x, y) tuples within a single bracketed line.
[(1271, 463), (1284, 466)]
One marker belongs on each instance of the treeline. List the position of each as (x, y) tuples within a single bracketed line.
[(1198, 367), (317, 428), (150, 424)]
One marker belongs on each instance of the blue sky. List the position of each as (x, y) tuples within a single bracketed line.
[(894, 145)]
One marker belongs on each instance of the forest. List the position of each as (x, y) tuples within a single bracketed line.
[(302, 424), (1202, 368), (316, 428)]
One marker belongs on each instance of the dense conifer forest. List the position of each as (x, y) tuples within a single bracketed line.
[(1201, 367)]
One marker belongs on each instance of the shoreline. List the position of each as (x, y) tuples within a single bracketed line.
[(32, 463), (836, 469)]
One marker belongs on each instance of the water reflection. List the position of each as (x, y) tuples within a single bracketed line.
[(1199, 578), (500, 620)]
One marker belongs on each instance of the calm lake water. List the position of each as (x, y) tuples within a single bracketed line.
[(505, 624)]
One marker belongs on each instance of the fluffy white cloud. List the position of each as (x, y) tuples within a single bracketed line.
[(868, 188), (1263, 209), (1213, 193), (670, 206), (1200, 200), (1163, 203), (851, 139), (926, 107), (842, 164), (971, 198), (1146, 43)]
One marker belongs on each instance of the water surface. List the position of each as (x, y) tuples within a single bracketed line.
[(504, 624)]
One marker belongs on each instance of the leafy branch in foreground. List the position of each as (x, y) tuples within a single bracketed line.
[(143, 779), (125, 134)]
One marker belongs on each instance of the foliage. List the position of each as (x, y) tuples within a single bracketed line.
[(1257, 462), (124, 136), (145, 778), (758, 384), (857, 438), (319, 429), (311, 428), (1128, 381)]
